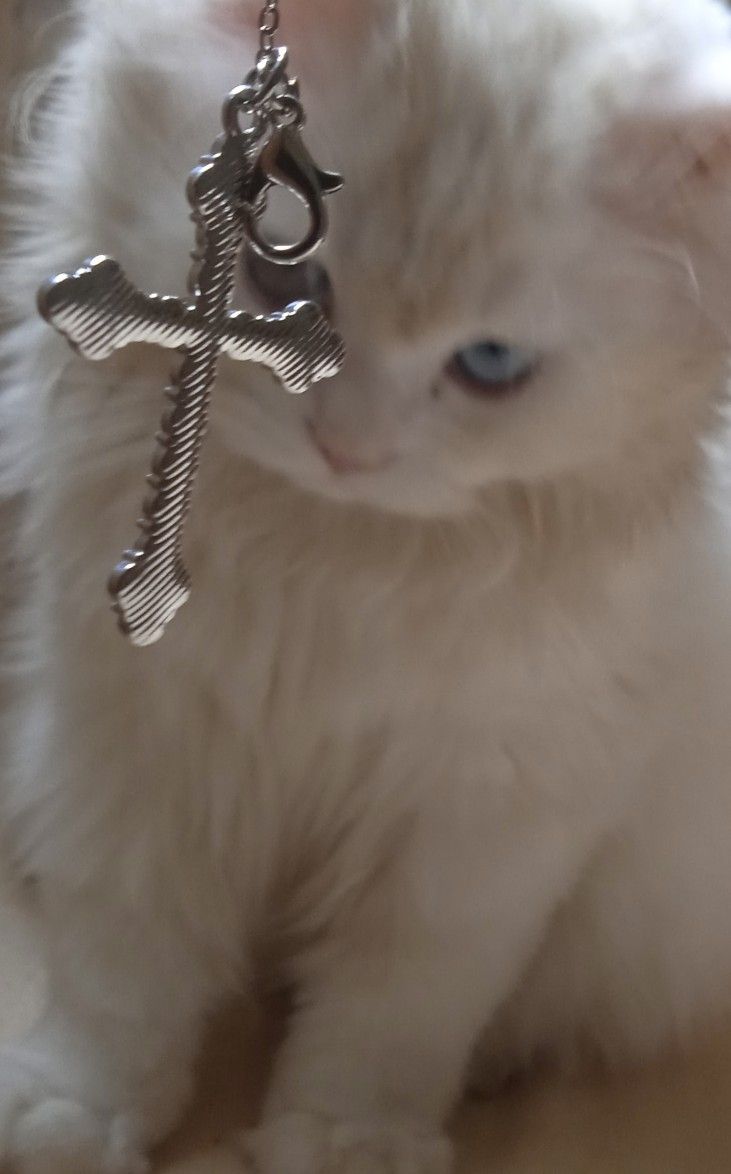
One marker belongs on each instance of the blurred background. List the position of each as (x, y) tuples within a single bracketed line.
[(27, 29)]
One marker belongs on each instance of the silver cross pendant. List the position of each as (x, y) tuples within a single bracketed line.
[(99, 311)]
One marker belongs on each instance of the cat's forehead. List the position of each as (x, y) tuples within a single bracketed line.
[(455, 179), (475, 137)]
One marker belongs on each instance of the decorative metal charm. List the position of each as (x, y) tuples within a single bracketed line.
[(99, 310)]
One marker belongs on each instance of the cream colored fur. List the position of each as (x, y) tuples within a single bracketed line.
[(442, 746)]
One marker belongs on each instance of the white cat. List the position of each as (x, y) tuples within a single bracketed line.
[(445, 729)]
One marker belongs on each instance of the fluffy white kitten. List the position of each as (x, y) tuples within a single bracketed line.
[(445, 728)]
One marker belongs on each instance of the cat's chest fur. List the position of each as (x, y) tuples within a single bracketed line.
[(338, 670), (329, 639)]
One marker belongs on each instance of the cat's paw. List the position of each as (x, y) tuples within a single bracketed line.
[(300, 1143), (43, 1131)]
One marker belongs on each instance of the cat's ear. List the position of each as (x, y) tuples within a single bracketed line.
[(667, 158)]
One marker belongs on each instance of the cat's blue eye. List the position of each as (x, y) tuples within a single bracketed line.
[(492, 368)]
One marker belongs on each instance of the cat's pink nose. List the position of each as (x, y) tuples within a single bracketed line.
[(343, 458)]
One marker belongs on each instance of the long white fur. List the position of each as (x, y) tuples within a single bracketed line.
[(447, 741)]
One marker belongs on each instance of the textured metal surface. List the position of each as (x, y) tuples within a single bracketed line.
[(99, 311)]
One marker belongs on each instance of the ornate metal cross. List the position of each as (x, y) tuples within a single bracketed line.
[(99, 310)]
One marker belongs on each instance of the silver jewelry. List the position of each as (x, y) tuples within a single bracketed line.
[(99, 310)]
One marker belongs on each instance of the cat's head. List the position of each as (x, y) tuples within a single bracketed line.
[(531, 260)]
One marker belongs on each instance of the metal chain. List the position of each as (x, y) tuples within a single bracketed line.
[(268, 27), (285, 106), (268, 98)]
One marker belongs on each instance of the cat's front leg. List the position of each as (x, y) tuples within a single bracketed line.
[(107, 1071), (393, 998)]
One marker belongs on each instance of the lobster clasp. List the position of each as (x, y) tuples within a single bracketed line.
[(285, 161)]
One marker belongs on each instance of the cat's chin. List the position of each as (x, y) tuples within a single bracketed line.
[(264, 432), (409, 500), (399, 490)]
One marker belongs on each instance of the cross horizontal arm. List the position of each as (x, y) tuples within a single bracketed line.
[(297, 345), (99, 311)]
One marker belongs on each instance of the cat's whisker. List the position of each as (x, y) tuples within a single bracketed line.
[(681, 258)]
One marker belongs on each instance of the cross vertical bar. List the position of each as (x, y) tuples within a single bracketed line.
[(151, 583)]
